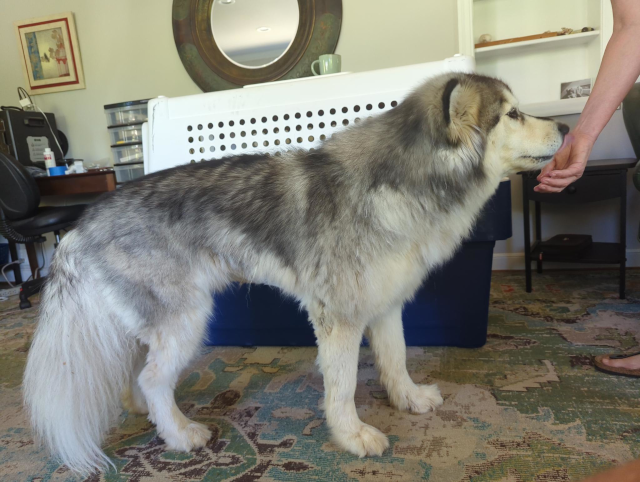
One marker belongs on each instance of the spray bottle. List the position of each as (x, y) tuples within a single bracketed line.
[(49, 161)]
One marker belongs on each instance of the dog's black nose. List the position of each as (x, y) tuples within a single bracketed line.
[(563, 128)]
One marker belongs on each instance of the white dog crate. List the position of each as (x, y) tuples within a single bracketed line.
[(278, 115)]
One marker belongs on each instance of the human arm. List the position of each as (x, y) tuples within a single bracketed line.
[(619, 70)]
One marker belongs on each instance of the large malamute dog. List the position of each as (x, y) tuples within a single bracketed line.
[(350, 230)]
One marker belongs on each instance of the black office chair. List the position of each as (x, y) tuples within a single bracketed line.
[(22, 221)]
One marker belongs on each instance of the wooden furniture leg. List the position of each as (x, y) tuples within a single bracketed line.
[(538, 232), (527, 235), (33, 258), (623, 233)]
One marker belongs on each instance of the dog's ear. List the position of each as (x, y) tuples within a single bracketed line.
[(460, 108)]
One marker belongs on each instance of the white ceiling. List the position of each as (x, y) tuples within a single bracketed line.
[(235, 29)]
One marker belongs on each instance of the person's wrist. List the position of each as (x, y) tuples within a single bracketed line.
[(584, 135)]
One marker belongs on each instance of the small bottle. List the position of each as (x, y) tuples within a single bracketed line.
[(49, 161)]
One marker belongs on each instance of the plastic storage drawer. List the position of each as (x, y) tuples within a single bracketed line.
[(124, 113), (128, 172), (125, 134), (127, 153)]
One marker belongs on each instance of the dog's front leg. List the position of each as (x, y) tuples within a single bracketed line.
[(387, 341), (338, 349)]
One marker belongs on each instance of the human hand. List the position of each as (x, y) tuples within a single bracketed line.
[(567, 165)]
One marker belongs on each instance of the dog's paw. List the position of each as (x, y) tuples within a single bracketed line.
[(193, 436), (367, 441), (134, 403), (418, 399)]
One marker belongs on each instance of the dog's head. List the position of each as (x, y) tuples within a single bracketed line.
[(479, 116)]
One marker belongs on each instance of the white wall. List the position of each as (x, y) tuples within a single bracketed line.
[(377, 34), (128, 53)]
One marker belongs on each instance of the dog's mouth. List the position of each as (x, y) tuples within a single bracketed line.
[(541, 158), (538, 159), (547, 158)]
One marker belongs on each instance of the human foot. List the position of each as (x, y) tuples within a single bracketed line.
[(629, 362), (628, 365)]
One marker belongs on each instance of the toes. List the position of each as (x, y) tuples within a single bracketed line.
[(418, 399), (373, 441), (616, 363), (426, 398), (193, 436), (367, 441), (198, 435), (631, 362)]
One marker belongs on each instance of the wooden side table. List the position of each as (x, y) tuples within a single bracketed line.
[(92, 182), (602, 180)]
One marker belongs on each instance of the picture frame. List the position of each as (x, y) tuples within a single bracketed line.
[(50, 54), (575, 89)]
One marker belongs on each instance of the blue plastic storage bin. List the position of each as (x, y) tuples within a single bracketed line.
[(450, 309)]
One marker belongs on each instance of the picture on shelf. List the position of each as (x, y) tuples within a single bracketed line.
[(575, 89)]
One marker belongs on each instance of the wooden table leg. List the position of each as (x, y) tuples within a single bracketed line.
[(527, 234), (623, 233), (538, 232), (33, 258)]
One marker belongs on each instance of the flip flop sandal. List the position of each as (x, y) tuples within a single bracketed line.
[(625, 372)]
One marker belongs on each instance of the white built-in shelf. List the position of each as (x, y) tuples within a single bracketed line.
[(536, 69), (535, 45), (555, 107)]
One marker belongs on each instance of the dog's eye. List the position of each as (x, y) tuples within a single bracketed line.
[(513, 113)]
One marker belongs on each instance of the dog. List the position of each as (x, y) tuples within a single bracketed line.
[(350, 230)]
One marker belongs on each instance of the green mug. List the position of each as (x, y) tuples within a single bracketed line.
[(329, 64)]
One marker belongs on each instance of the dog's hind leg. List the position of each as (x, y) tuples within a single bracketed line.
[(172, 345), (132, 397), (338, 349), (387, 341)]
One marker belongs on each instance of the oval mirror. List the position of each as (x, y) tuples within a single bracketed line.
[(224, 44), (254, 33)]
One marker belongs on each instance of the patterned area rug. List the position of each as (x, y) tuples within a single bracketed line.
[(528, 407)]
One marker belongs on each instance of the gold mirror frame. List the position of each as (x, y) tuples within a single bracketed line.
[(318, 31)]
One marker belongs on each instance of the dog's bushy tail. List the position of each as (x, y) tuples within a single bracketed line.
[(78, 364)]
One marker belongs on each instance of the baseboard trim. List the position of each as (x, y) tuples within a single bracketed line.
[(515, 261)]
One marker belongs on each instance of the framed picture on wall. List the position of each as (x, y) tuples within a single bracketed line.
[(50, 54)]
